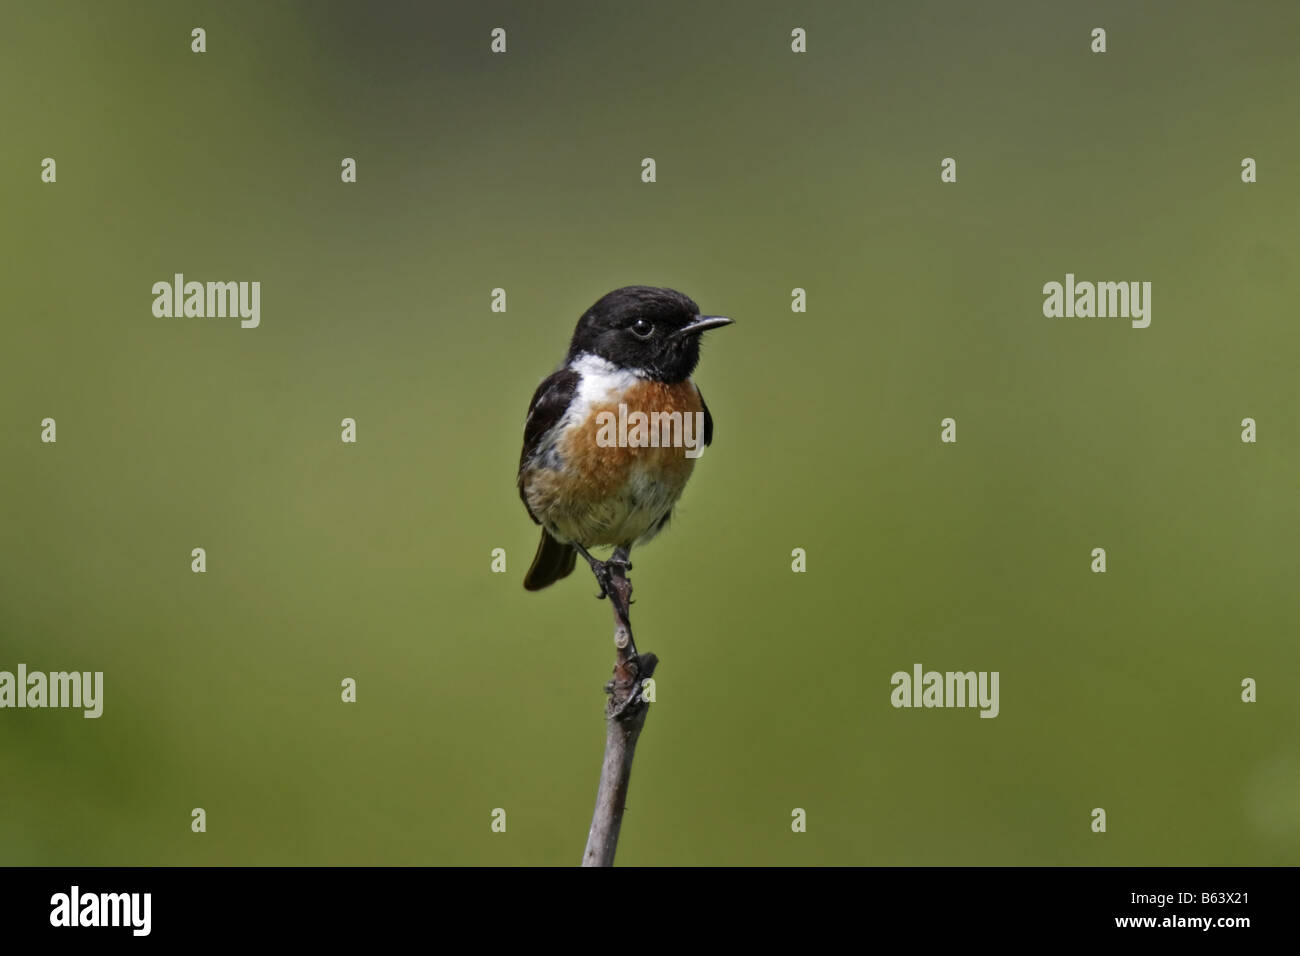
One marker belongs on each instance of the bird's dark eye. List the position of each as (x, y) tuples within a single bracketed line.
[(643, 328)]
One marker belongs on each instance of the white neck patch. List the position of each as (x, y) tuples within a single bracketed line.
[(601, 380)]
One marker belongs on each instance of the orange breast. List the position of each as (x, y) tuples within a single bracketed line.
[(647, 437)]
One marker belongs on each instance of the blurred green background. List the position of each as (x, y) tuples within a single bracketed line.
[(775, 170)]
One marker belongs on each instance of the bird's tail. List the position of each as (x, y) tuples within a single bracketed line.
[(552, 562)]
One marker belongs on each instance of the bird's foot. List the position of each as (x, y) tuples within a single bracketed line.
[(604, 570), (604, 577), (618, 562)]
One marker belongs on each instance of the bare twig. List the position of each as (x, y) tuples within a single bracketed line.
[(625, 714)]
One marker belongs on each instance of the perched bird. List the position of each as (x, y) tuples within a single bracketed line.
[(588, 481)]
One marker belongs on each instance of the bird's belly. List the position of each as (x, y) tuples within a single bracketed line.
[(609, 489), (630, 513)]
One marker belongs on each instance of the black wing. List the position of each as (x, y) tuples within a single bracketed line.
[(708, 419), (550, 402)]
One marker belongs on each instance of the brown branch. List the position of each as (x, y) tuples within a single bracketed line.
[(625, 714)]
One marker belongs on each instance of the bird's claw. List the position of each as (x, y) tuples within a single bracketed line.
[(604, 572)]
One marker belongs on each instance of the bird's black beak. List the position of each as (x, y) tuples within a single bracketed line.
[(703, 323)]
